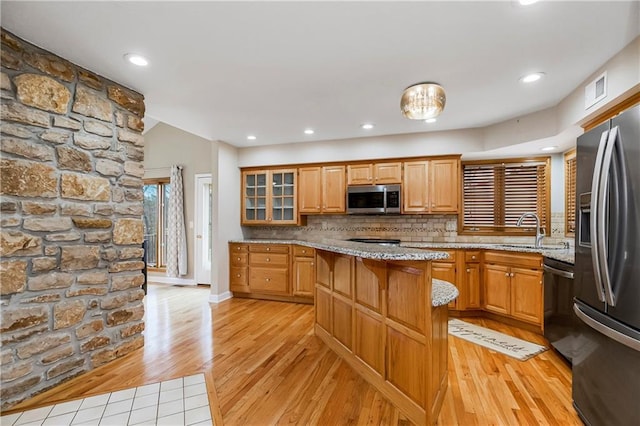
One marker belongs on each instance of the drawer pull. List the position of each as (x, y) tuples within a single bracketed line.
[(238, 259), (268, 279), (268, 248), (238, 275), (473, 257), (468, 270), (268, 259), (506, 274), (304, 251)]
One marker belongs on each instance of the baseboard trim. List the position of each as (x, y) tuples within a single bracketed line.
[(217, 298), (170, 280)]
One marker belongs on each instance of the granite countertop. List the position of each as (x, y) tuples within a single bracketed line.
[(442, 292), (551, 251), (416, 250), (363, 250)]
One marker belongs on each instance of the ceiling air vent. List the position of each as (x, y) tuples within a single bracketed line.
[(595, 91)]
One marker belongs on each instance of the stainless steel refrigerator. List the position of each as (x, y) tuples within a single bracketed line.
[(606, 369)]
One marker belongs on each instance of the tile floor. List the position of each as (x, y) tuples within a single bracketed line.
[(181, 401)]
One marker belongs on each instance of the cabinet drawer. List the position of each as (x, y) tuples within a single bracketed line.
[(299, 251), (238, 248), (269, 280), (239, 259), (269, 259), (269, 248), (532, 261), (471, 256), (238, 280)]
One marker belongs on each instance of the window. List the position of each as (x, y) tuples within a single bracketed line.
[(495, 195), (570, 193), (156, 207)]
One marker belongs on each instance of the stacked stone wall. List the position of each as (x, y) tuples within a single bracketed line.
[(71, 229)]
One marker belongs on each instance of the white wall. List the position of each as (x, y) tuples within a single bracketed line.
[(225, 215)]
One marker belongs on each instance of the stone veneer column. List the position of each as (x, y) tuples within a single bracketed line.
[(70, 243)]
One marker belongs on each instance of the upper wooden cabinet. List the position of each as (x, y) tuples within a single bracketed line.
[(269, 197), (321, 189), (431, 186), (374, 173)]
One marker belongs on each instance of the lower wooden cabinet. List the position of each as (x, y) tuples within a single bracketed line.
[(304, 271), (513, 286), (272, 271), (446, 270)]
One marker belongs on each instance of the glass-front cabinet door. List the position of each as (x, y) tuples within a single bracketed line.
[(269, 197)]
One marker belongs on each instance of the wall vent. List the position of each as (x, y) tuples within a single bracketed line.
[(595, 91)]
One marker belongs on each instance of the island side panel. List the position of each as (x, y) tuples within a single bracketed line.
[(387, 332)]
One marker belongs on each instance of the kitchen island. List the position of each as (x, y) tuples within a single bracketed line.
[(379, 309)]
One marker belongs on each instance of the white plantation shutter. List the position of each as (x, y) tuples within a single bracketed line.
[(496, 195)]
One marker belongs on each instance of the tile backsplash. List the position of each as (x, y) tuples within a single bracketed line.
[(421, 228)]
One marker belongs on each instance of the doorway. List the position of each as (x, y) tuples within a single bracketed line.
[(203, 249)]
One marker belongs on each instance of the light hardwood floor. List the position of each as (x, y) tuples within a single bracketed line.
[(264, 366)]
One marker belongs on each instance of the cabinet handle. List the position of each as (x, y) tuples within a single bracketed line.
[(311, 263), (268, 259), (512, 274), (268, 248), (238, 275), (238, 259), (473, 257), (268, 279), (468, 270), (304, 251), (506, 274)]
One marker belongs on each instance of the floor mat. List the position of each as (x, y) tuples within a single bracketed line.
[(499, 342)]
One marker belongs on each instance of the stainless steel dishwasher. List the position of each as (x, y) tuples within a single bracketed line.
[(560, 322)]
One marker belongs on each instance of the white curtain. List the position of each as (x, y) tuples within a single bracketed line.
[(176, 237)]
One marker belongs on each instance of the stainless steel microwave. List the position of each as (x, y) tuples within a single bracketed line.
[(373, 199)]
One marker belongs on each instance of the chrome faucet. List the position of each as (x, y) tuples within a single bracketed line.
[(539, 231)]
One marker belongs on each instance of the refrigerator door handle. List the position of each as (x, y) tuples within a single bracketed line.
[(601, 221), (595, 206), (607, 331)]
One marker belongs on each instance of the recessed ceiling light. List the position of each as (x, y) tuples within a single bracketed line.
[(367, 126), (548, 148), (430, 120), (530, 78), (136, 59), (308, 131), (251, 137), (527, 2)]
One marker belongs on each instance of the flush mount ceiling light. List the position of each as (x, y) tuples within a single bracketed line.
[(308, 131), (136, 59), (430, 120), (548, 148), (422, 101), (527, 2), (530, 78), (251, 137), (367, 126)]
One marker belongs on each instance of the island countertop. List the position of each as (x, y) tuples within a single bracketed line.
[(409, 250)]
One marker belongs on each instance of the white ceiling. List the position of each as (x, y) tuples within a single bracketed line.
[(223, 70)]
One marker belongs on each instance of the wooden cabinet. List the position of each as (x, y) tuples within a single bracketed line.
[(269, 197), (513, 285), (269, 268), (374, 173), (321, 189), (303, 271), (272, 271), (471, 280), (239, 267), (431, 186)]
